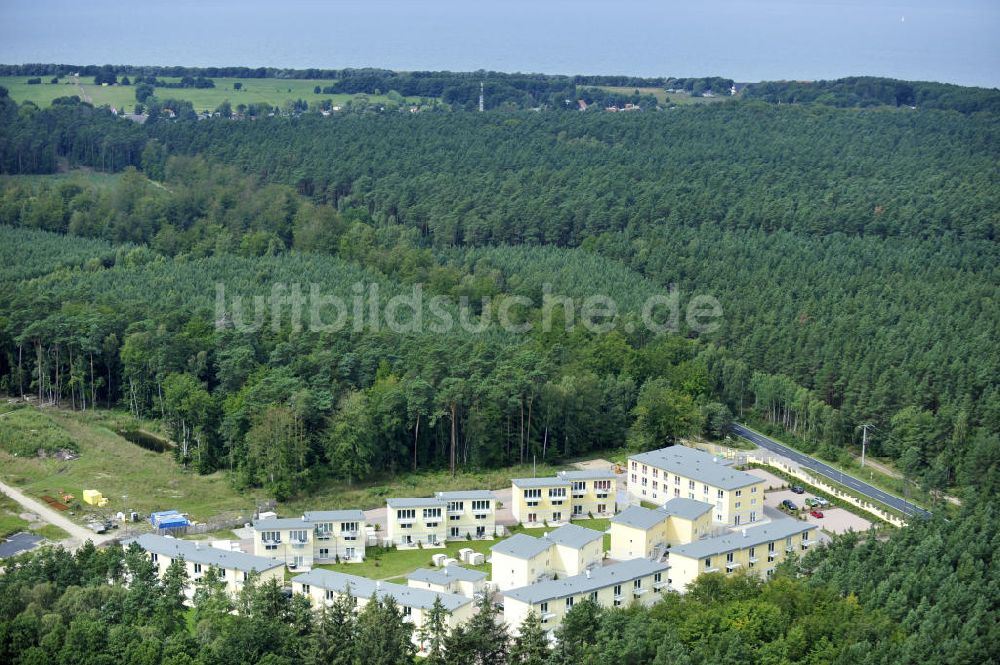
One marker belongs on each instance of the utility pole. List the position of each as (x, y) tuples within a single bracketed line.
[(864, 441), (481, 97)]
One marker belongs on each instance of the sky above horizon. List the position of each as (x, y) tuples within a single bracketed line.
[(748, 40)]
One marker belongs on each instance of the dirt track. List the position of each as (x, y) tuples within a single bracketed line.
[(78, 534)]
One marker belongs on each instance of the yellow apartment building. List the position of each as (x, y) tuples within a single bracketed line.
[(639, 580), (565, 496), (416, 522), (290, 540), (541, 500), (638, 532), (592, 493), (471, 514), (657, 476), (338, 535), (323, 587), (757, 550), (235, 568), (522, 559)]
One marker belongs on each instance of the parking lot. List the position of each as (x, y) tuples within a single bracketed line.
[(834, 520)]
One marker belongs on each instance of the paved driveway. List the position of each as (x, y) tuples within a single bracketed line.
[(838, 520)]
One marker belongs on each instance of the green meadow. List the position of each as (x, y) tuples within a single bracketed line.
[(254, 91)]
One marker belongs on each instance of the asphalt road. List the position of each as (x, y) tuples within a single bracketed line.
[(834, 474)]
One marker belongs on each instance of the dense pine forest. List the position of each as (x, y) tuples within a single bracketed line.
[(853, 253)]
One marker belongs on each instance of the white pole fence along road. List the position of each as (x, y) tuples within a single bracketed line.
[(817, 467)]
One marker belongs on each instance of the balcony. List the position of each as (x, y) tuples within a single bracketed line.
[(547, 615), (790, 548), (579, 494), (807, 542), (298, 543), (619, 597), (733, 565), (456, 511), (662, 584), (711, 569), (753, 559), (640, 591)]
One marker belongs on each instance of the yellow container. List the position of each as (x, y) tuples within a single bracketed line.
[(94, 498)]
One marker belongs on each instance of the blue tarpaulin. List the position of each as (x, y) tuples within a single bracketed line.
[(168, 519)]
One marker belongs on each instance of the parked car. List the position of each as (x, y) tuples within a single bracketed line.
[(811, 502), (789, 505), (798, 489), (820, 501), (818, 514)]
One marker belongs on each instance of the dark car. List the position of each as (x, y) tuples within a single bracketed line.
[(798, 489), (789, 505)]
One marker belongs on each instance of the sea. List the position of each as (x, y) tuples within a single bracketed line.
[(955, 41)]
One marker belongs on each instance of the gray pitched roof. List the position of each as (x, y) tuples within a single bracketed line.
[(335, 516), (589, 474), (282, 523), (639, 517), (362, 587), (425, 502), (697, 465), (757, 535), (619, 573), (548, 481), (446, 575), (688, 509), (466, 495), (572, 535), (522, 546), (202, 553)]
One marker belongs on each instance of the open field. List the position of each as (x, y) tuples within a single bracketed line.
[(109, 463), (662, 96), (273, 91)]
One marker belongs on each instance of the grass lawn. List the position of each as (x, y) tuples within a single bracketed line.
[(395, 565), (11, 522), (51, 532), (273, 91), (112, 465)]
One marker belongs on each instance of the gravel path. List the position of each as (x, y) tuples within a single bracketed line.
[(78, 534)]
